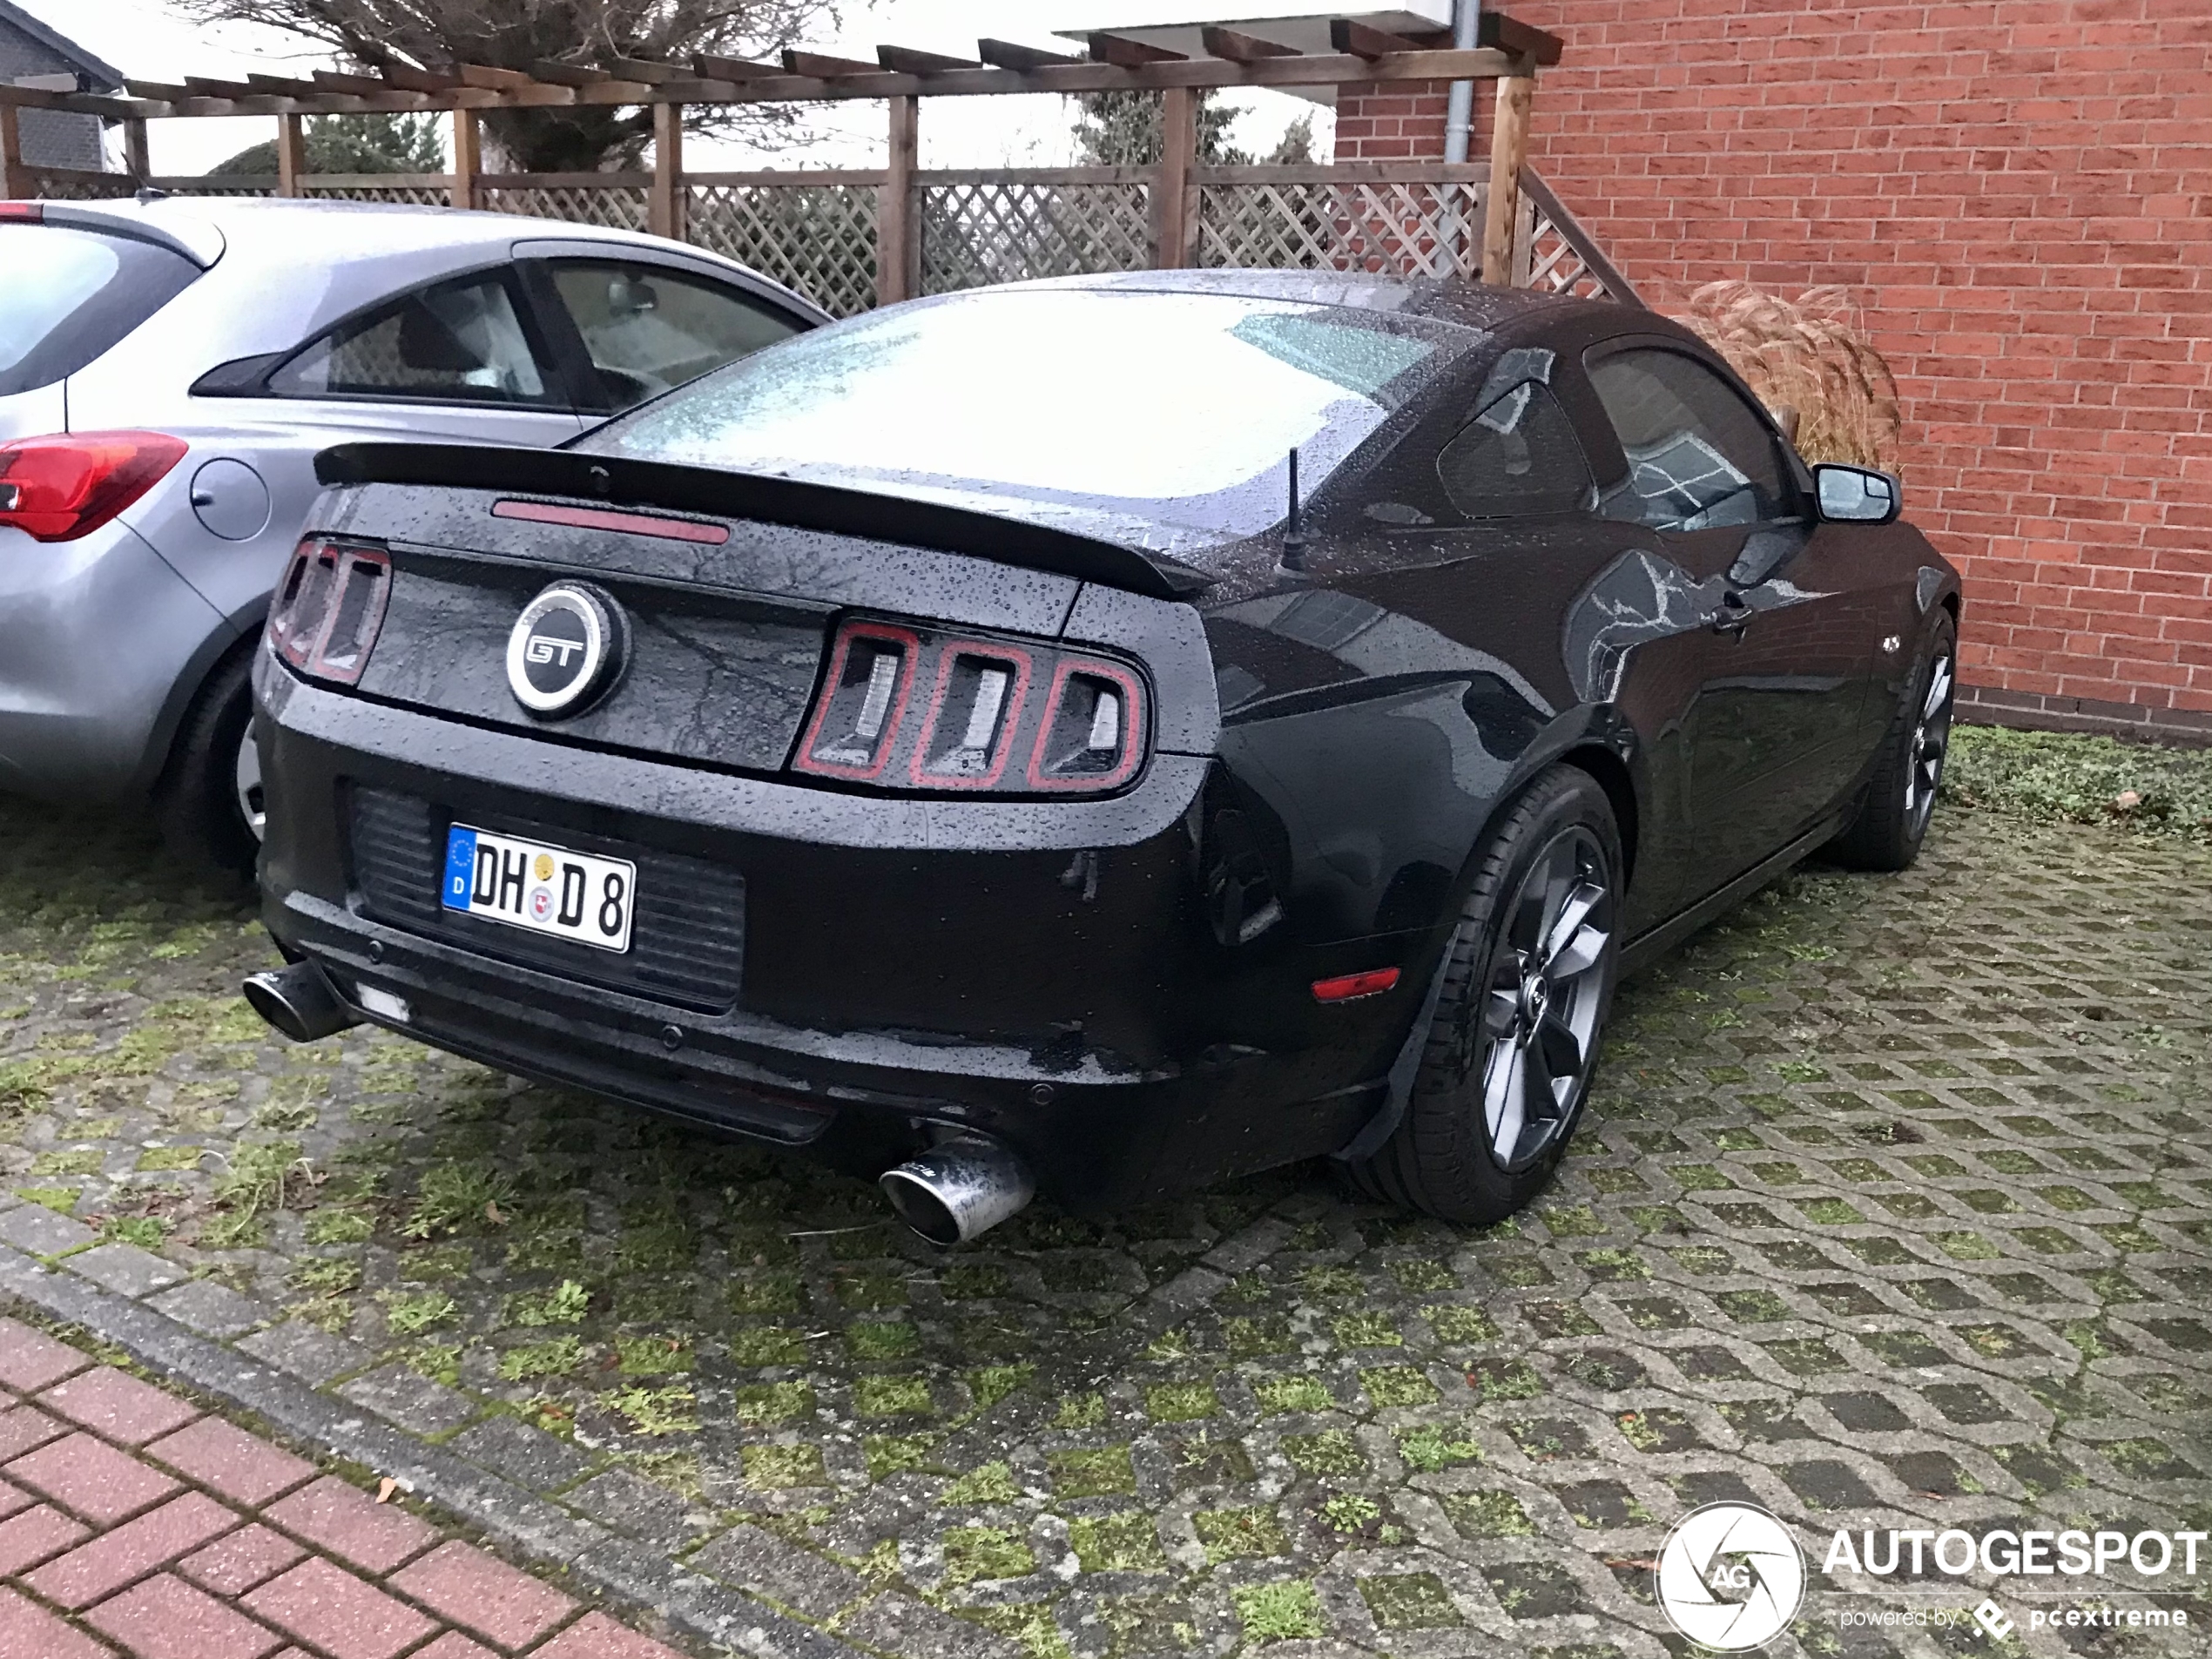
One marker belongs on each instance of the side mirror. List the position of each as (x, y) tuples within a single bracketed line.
[(1857, 495)]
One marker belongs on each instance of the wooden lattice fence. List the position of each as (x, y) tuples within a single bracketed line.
[(819, 232)]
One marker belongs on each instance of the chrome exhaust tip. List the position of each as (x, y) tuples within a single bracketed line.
[(958, 1189), (299, 1001)]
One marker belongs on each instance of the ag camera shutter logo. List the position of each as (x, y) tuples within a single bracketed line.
[(566, 648), (1730, 1577)]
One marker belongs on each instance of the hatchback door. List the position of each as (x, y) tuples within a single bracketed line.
[(1773, 740)]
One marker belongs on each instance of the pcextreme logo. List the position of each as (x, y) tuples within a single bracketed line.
[(1731, 1576)]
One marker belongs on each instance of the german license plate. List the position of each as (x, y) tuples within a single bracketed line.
[(544, 889)]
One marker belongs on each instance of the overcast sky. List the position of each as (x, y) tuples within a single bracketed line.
[(144, 39)]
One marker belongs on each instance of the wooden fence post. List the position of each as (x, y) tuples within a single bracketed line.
[(1508, 151), (16, 182), (468, 157), (898, 248), (135, 161), (664, 207), (292, 156), (1172, 194)]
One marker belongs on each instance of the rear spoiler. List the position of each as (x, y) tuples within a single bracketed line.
[(764, 500)]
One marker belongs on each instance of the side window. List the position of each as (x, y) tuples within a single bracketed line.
[(1518, 458), (1699, 457), (459, 341), (647, 329)]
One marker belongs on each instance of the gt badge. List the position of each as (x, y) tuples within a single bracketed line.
[(566, 649)]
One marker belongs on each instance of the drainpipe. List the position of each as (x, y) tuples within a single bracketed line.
[(1459, 113)]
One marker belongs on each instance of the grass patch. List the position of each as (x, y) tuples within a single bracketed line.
[(652, 1356), (2068, 778), (671, 1410), (973, 1553), (1123, 1543), (554, 1358), (457, 1197), (145, 1231), (992, 1483), (1278, 1612), (411, 1313), (169, 1157), (565, 1304)]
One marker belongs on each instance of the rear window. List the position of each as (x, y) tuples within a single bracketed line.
[(69, 295), (1158, 419)]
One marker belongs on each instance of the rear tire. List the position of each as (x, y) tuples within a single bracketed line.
[(208, 801), (1900, 798), (1515, 1041)]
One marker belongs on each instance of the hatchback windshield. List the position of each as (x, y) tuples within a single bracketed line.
[(69, 295), (1159, 419)]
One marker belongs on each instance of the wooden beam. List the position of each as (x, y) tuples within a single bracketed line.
[(329, 80), (1125, 53), (291, 155), (1518, 39), (1173, 197), (282, 86), (818, 66), (906, 61), (135, 161), (709, 67), (1239, 48), (664, 203), (640, 68), (407, 79), (898, 243), (468, 157), (547, 73), (16, 182), (1360, 41), (161, 91), (1007, 54), (488, 75), (200, 86), (1509, 152)]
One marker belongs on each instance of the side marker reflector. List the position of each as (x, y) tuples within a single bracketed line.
[(1350, 987)]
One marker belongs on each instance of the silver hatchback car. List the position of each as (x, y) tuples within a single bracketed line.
[(169, 368)]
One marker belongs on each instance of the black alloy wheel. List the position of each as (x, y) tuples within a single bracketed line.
[(1528, 979), (1908, 771)]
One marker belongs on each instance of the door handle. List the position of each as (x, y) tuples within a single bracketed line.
[(1734, 615)]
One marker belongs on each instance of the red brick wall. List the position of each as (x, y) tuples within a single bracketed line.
[(2020, 194)]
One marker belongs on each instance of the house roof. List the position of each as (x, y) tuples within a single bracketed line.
[(102, 76)]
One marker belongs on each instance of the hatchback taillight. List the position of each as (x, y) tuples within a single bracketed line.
[(905, 707), (57, 489), (328, 608)]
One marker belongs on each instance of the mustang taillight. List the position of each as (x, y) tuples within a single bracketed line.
[(328, 608), (57, 489), (905, 707)]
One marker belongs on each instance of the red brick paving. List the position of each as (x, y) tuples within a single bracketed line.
[(483, 1594), (131, 1551), (31, 1360), (236, 1568), (345, 1617), (93, 1478), (117, 1404), (234, 1565), (165, 1618), (243, 1467), (28, 1632)]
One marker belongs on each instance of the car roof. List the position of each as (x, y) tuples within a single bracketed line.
[(1452, 300), (286, 227)]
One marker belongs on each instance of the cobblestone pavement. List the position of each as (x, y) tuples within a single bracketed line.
[(1894, 1209), (132, 1521)]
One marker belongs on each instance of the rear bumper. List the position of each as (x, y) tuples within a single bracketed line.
[(94, 636), (905, 965)]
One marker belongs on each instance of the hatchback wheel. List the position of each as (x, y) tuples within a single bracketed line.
[(1908, 773), (209, 801), (1514, 1040)]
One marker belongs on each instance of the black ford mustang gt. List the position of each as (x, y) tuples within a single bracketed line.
[(1094, 737)]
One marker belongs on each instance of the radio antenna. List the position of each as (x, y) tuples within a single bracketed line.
[(1293, 529)]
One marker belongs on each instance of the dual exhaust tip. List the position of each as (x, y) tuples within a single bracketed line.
[(954, 1192)]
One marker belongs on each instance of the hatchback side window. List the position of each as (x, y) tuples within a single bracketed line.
[(1699, 456), (647, 329), (460, 341), (1518, 458)]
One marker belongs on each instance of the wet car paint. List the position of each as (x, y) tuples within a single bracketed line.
[(1117, 986)]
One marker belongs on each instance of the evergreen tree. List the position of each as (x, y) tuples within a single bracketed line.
[(351, 144)]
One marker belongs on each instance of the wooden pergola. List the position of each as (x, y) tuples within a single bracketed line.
[(1510, 53)]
